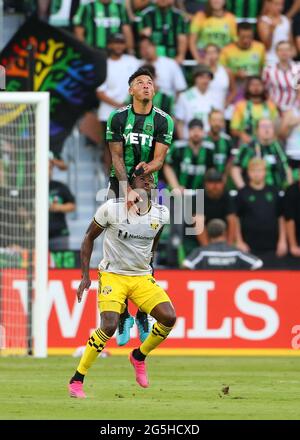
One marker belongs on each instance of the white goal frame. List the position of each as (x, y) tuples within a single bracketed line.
[(40, 303)]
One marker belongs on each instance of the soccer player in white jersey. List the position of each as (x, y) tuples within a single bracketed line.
[(125, 272)]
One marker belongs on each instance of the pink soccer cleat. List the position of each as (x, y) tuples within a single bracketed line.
[(140, 371), (76, 389)]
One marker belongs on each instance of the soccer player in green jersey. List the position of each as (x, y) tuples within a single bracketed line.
[(95, 22), (139, 136)]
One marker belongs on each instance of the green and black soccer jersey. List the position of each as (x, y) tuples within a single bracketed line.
[(139, 134), (221, 150), (245, 9), (100, 20), (274, 156), (166, 25), (189, 167)]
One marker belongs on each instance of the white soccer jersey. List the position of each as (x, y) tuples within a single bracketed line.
[(129, 237)]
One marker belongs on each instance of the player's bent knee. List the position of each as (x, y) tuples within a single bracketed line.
[(169, 319), (109, 322), (165, 314)]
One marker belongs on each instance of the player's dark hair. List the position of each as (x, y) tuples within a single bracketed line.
[(141, 71), (244, 26), (151, 69), (216, 228)]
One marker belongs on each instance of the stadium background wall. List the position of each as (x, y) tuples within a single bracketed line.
[(234, 313)]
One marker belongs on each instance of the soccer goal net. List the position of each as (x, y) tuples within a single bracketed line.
[(24, 157)]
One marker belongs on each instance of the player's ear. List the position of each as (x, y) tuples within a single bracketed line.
[(130, 91)]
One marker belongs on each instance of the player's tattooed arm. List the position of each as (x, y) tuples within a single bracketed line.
[(131, 196), (93, 231), (116, 150)]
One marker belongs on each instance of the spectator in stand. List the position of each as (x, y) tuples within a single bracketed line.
[(196, 102), (260, 224), (267, 147), (273, 27), (61, 202), (290, 133), (250, 110), (218, 255), (245, 57), (292, 217), (114, 91), (281, 78), (95, 22), (218, 204), (215, 26), (218, 142), (167, 28), (223, 84), (169, 76), (187, 161), (245, 10)]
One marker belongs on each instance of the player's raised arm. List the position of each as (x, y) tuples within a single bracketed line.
[(116, 149), (93, 231)]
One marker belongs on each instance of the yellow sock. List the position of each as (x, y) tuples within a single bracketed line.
[(94, 346), (158, 334)]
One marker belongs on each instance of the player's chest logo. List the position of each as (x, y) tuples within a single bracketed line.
[(154, 225), (138, 138)]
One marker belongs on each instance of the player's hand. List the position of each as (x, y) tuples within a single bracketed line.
[(145, 167), (84, 285), (131, 199)]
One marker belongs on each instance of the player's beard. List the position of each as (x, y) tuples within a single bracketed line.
[(146, 101)]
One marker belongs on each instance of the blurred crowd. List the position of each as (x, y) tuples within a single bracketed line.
[(228, 73)]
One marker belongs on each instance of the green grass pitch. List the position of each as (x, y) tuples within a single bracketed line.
[(180, 388)]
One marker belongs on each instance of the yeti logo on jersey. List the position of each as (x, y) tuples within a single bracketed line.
[(154, 226), (106, 290), (136, 138)]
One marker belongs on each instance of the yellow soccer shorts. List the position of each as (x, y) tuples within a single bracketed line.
[(142, 290)]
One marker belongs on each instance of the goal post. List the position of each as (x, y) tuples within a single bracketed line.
[(24, 170)]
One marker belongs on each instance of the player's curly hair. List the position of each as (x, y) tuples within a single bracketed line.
[(141, 71)]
